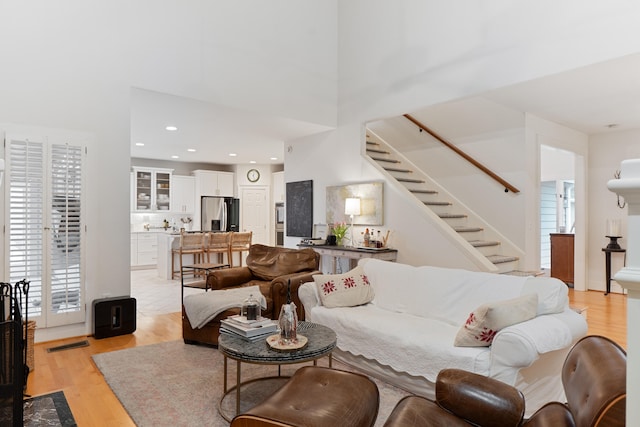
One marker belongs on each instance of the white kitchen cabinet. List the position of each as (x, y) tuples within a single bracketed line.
[(213, 183), (134, 249), (147, 249), (152, 189), (183, 194)]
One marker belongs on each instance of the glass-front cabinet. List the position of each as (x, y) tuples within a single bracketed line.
[(152, 189)]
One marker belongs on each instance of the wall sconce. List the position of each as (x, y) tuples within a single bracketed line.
[(351, 208)]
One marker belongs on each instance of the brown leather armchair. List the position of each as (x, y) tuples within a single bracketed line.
[(269, 267), (462, 399), (594, 379)]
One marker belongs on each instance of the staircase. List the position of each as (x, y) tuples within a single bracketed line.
[(490, 250)]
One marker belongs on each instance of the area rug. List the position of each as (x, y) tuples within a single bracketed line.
[(46, 410), (174, 384)]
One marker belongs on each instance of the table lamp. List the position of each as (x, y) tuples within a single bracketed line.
[(351, 208)]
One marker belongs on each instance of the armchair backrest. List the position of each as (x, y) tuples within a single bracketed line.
[(269, 262), (595, 382)]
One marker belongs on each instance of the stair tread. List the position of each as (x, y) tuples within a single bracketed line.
[(451, 215), (411, 180), (483, 243), (524, 273), (377, 151), (424, 191), (437, 203), (398, 170), (381, 159), (467, 229), (499, 259)]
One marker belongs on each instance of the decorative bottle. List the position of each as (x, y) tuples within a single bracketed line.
[(288, 320)]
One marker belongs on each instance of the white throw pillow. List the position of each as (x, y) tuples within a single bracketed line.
[(485, 321), (344, 290)]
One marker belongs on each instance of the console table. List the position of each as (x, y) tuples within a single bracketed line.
[(607, 258), (353, 254)]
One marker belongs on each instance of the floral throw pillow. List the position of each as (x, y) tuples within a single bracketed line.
[(344, 290), (485, 321)]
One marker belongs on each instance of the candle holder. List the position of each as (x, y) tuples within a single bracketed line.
[(613, 242)]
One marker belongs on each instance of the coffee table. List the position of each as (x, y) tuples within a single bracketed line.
[(322, 341)]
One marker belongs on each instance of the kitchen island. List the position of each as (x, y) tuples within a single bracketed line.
[(166, 243)]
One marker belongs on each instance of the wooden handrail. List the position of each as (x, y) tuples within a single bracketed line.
[(507, 187)]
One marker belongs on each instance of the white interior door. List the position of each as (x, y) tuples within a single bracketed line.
[(254, 212)]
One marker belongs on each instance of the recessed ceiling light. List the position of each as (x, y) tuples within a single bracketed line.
[(232, 154), (191, 150), (274, 158), (171, 128), (252, 161), (140, 144), (175, 157)]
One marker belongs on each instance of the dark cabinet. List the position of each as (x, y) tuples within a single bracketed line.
[(562, 256)]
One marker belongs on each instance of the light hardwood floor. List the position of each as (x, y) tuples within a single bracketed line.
[(93, 403)]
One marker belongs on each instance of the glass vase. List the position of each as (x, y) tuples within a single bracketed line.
[(288, 323)]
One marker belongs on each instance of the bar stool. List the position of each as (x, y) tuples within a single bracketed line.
[(219, 244), (240, 242), (190, 244)]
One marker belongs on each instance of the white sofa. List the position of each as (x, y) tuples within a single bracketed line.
[(406, 334)]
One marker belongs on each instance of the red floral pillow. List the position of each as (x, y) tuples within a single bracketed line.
[(484, 322), (344, 290)]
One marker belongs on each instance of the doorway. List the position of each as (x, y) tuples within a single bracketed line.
[(557, 198), (254, 213)]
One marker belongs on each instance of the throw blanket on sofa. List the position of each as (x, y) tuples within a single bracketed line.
[(202, 308)]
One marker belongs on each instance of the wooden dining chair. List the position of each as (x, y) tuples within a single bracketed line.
[(240, 242)]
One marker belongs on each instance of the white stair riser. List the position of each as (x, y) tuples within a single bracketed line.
[(489, 250), (505, 267)]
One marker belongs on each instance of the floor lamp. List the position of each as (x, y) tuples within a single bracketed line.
[(351, 208)]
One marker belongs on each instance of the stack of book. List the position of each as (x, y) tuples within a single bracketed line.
[(251, 330)]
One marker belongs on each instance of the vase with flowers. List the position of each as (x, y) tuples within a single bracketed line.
[(339, 229)]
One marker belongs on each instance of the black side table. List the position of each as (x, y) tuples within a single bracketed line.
[(607, 257)]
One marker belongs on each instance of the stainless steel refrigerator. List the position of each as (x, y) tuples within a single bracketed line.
[(220, 214)]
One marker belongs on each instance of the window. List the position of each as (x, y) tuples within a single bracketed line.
[(45, 233)]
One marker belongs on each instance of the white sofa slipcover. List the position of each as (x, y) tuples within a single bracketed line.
[(406, 334)]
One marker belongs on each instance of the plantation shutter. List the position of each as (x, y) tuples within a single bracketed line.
[(26, 221), (45, 183), (65, 268)]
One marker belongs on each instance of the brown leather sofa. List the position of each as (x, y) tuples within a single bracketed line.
[(272, 269)]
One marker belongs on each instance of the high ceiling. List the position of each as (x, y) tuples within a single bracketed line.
[(213, 131), (599, 98)]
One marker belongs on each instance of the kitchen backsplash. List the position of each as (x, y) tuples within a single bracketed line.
[(156, 221)]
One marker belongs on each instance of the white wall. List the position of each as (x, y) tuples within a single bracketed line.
[(606, 151), (71, 65), (400, 56)]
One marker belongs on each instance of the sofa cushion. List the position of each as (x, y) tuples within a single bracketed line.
[(344, 290), (269, 262), (553, 294), (485, 321), (445, 294)]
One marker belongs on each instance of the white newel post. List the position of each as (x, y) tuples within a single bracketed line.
[(628, 186)]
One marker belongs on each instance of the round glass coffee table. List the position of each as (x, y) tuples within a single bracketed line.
[(321, 342)]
